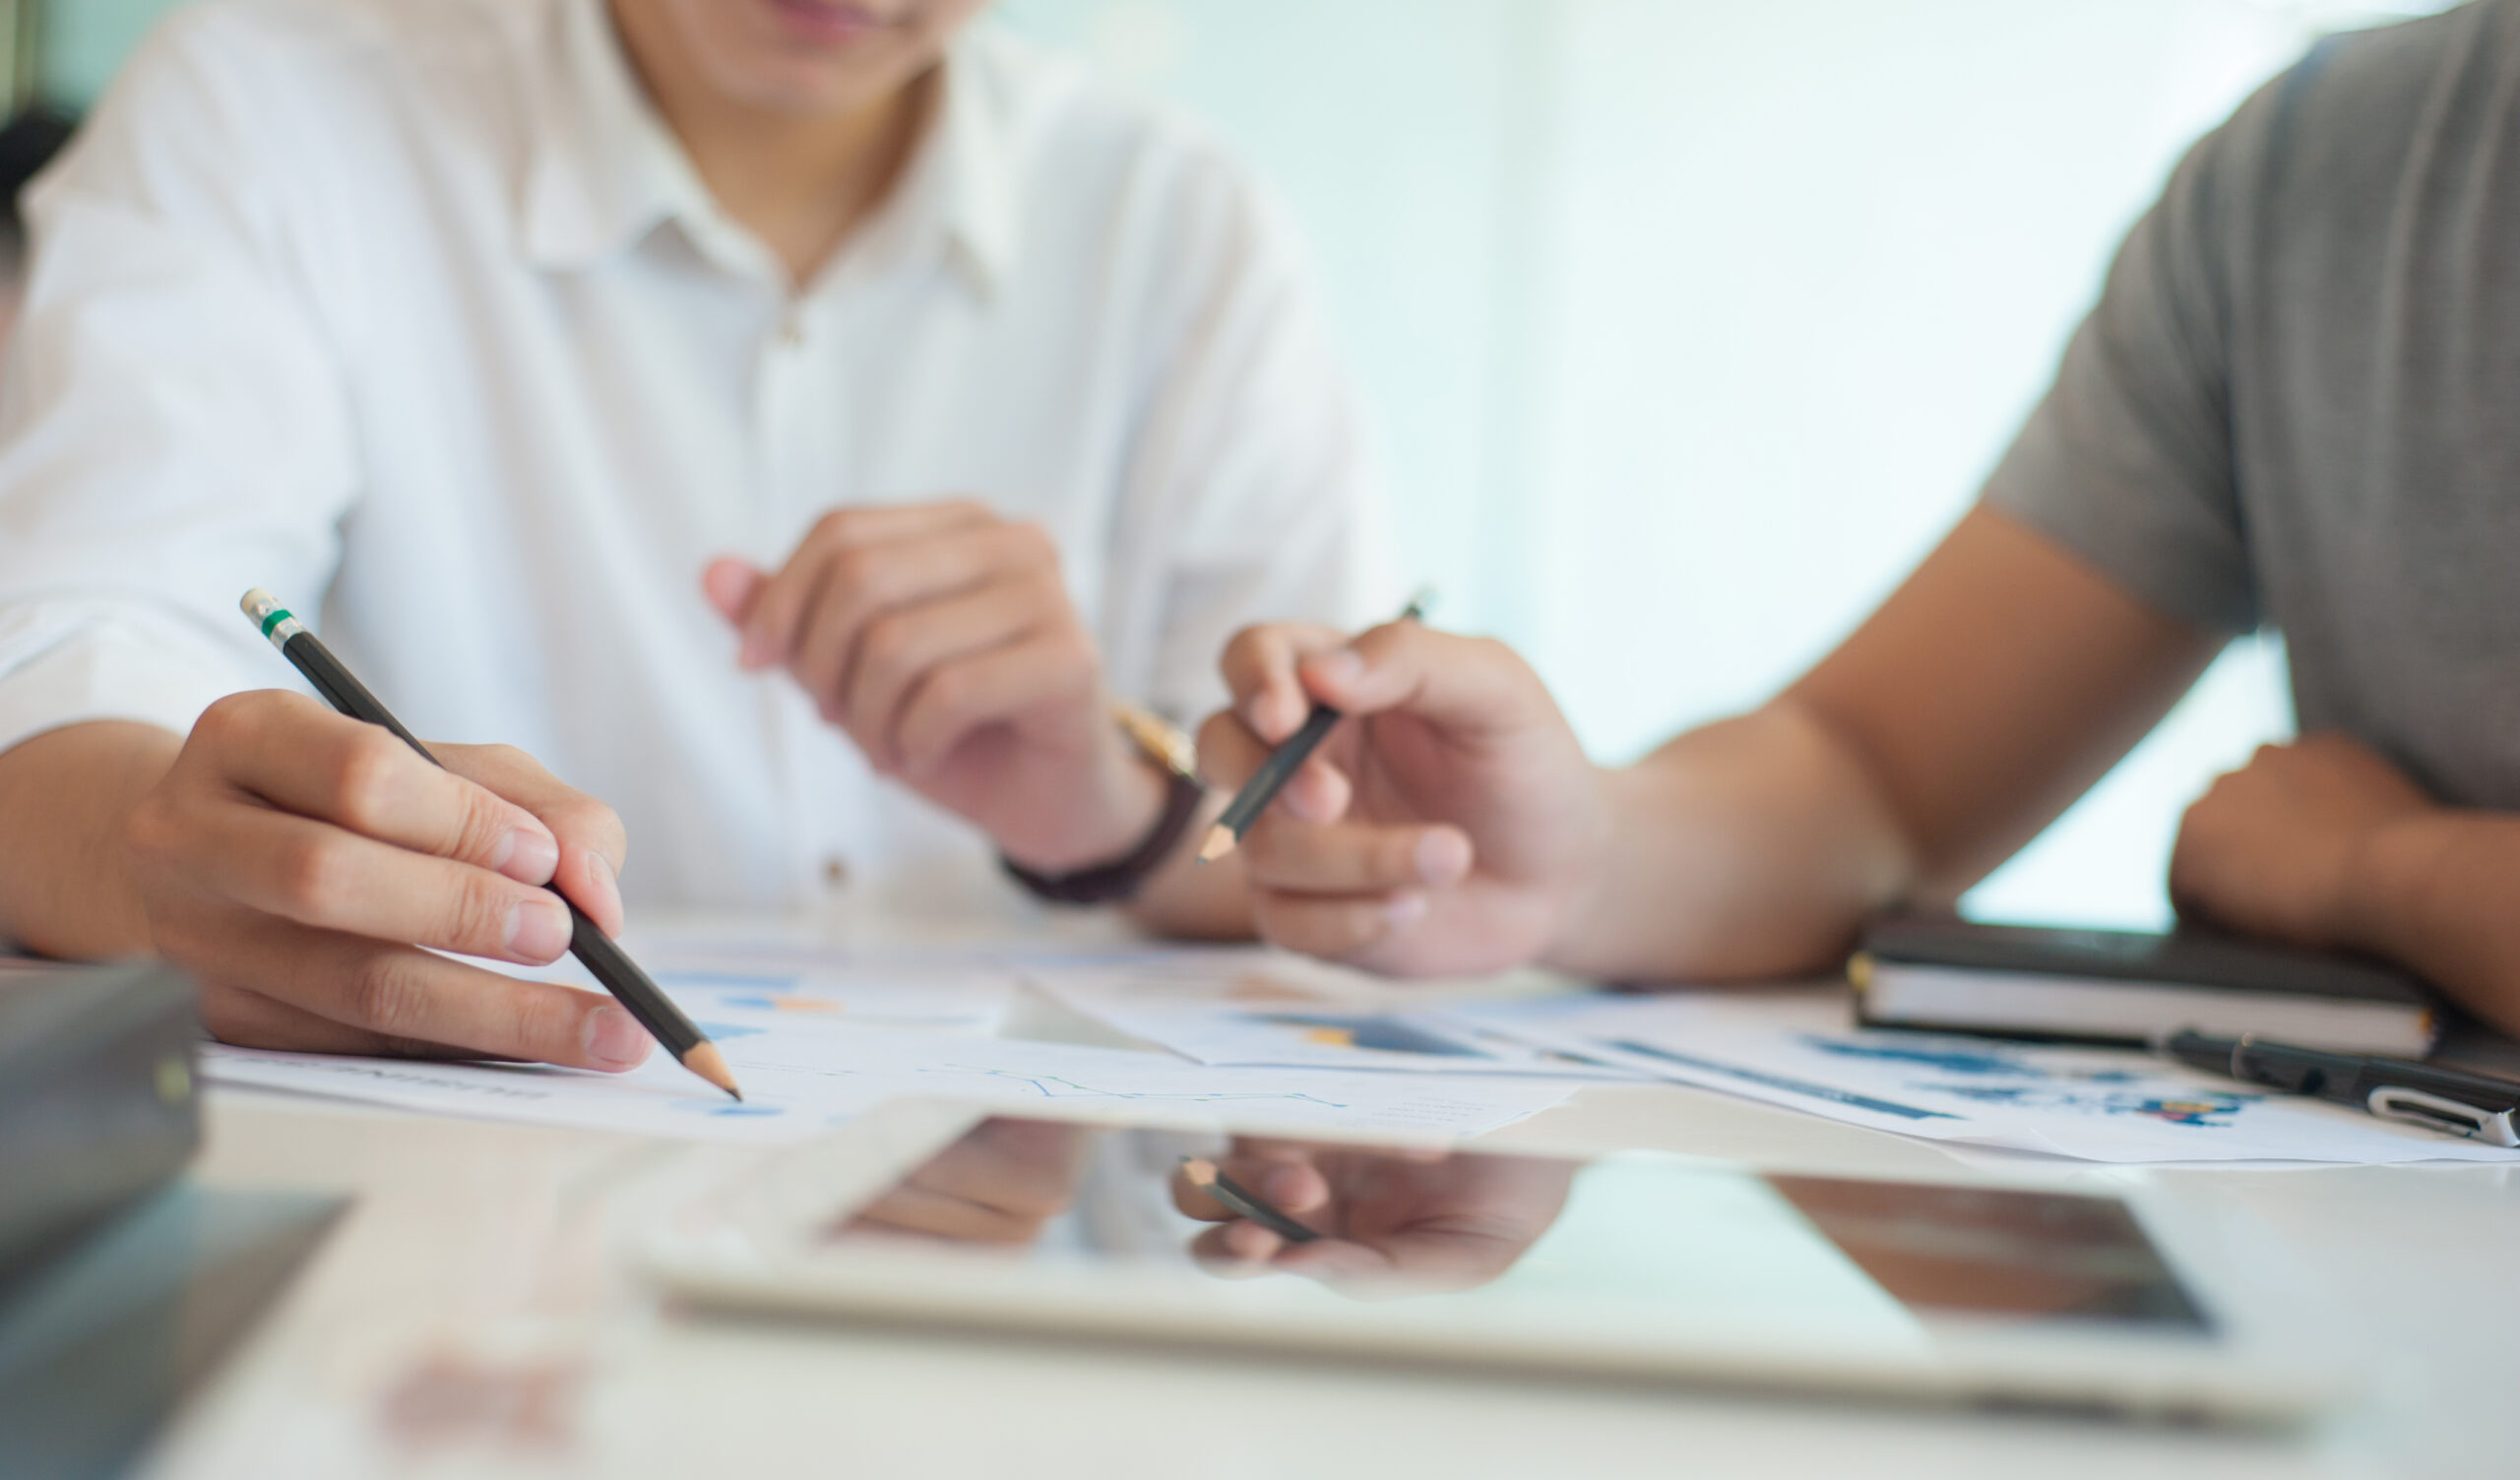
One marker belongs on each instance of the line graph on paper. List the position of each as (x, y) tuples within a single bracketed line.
[(1050, 1087)]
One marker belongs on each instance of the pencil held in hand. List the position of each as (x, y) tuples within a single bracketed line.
[(1242, 1202), (1281, 766), (601, 954)]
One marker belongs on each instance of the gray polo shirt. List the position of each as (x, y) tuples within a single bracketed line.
[(2297, 403)]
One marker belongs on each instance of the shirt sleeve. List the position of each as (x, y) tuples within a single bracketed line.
[(2128, 463), (1251, 492), (173, 430)]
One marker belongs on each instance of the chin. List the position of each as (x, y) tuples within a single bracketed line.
[(793, 58), (805, 90)]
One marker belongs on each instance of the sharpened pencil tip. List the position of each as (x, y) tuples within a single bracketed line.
[(1221, 841), (705, 1061), (1200, 1171)]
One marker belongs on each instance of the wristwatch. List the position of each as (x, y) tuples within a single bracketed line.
[(1171, 751)]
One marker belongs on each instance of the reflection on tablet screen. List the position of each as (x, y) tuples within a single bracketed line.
[(1649, 1234)]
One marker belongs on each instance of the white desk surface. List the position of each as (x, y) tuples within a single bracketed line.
[(469, 1317)]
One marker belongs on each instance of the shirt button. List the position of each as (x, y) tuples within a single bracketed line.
[(834, 870), (792, 330)]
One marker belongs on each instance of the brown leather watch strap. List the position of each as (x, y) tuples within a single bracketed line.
[(1114, 882)]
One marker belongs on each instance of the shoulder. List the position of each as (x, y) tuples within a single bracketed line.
[(2350, 111), (276, 79)]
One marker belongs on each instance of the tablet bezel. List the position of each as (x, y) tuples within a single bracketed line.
[(761, 1245)]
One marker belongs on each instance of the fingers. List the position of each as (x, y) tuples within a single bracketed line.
[(1260, 668), (318, 875), (300, 757), (593, 843), (323, 991), (1354, 859), (901, 648), (865, 559), (1469, 684), (950, 702), (865, 583), (1230, 751), (1333, 928), (733, 587)]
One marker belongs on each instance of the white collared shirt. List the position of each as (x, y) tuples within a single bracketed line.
[(416, 312)]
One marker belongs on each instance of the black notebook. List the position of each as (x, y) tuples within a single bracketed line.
[(2119, 986)]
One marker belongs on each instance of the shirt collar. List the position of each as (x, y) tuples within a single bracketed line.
[(605, 169)]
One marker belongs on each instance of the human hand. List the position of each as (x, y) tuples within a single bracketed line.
[(2279, 848), (1000, 1184), (1449, 825), (1432, 1219), (294, 861), (941, 638)]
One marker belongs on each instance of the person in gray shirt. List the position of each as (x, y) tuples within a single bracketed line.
[(2297, 406)]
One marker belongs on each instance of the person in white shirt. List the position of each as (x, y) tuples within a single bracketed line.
[(796, 423)]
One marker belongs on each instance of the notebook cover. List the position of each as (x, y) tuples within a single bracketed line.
[(2186, 956)]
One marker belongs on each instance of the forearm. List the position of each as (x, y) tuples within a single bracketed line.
[(1749, 849), (2433, 893), (65, 889)]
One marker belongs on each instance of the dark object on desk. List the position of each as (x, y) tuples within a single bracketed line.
[(594, 950), (30, 142), (99, 1348), (2130, 987), (2439, 1099), (1281, 768), (97, 1101)]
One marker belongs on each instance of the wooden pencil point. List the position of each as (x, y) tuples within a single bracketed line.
[(703, 1060), (1221, 841), (1201, 1172)]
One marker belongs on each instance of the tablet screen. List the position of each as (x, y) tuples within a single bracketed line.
[(1648, 1235)]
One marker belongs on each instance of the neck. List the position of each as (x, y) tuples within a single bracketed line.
[(803, 184)]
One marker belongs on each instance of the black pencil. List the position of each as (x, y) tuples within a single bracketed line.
[(1242, 1202), (1279, 768), (598, 952)]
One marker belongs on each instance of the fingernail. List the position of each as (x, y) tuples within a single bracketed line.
[(608, 886), (526, 857), (1443, 856), (1340, 665), (538, 927), (614, 1039), (1408, 910)]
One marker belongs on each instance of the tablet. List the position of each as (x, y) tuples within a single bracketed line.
[(1627, 1265)]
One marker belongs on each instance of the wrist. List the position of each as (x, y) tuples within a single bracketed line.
[(1113, 812), (1591, 913), (2387, 874)]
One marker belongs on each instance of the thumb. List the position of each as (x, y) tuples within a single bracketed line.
[(1467, 685), (732, 585)]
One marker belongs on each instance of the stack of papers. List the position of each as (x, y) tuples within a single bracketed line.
[(1253, 1041), (818, 1037)]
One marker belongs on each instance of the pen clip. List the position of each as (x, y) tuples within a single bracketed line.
[(2397, 1102)]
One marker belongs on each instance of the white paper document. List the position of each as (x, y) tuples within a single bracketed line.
[(1799, 1048), (1258, 1010), (802, 1076)]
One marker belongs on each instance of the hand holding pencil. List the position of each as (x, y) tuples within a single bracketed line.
[(295, 861), (1448, 822)]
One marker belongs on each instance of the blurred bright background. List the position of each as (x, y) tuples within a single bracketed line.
[(1687, 326)]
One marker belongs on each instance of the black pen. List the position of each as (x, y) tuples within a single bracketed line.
[(598, 951), (2441, 1099), (1279, 768)]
